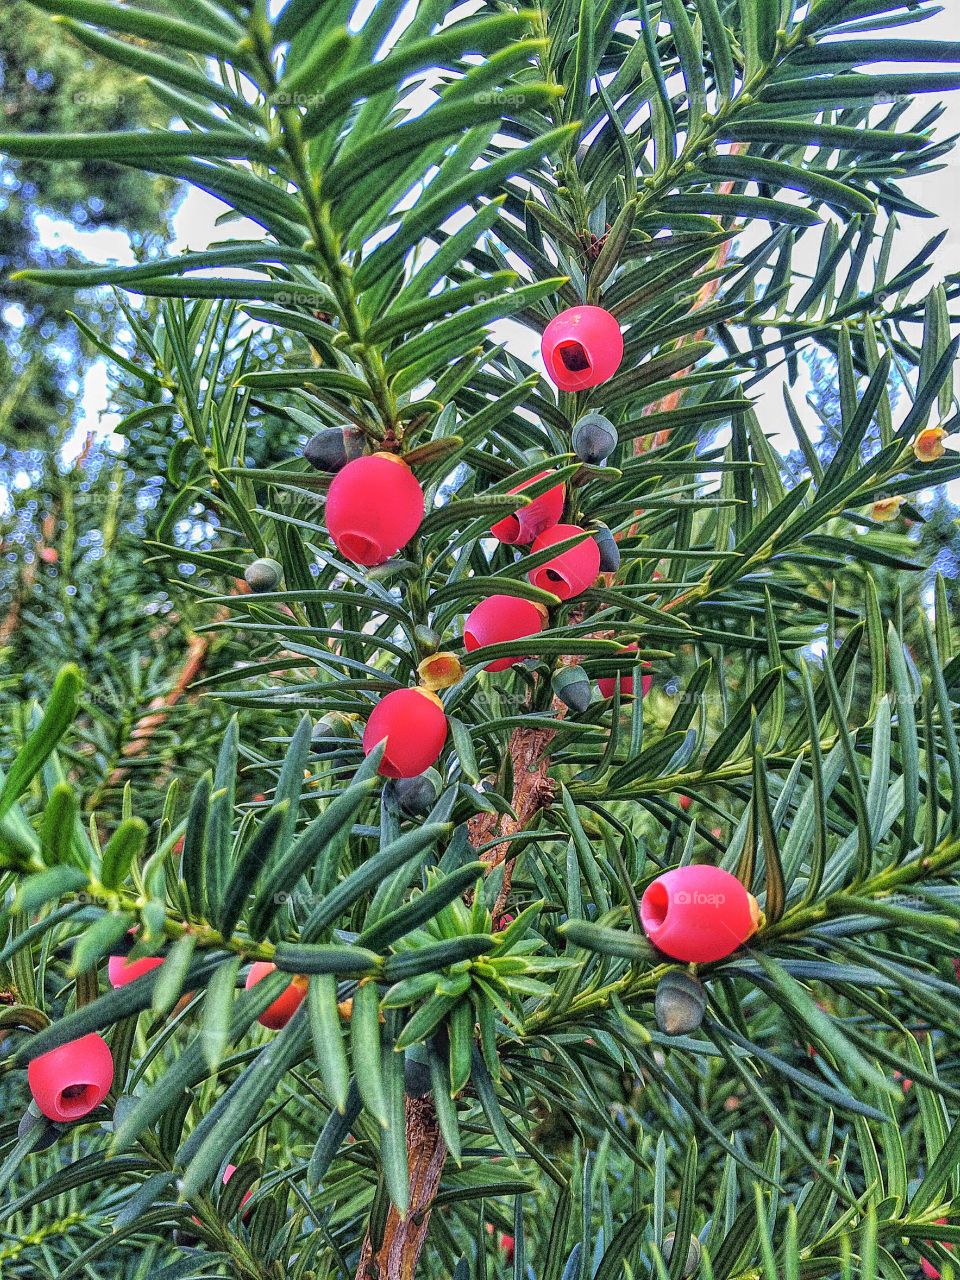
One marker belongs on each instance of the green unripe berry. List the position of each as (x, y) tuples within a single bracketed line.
[(416, 1072), (428, 640), (609, 550), (417, 796), (332, 448), (263, 575), (49, 1131), (679, 1003), (332, 735), (692, 1260), (572, 686), (594, 438)]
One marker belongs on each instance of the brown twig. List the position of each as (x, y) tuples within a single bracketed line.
[(403, 1237), (198, 649)]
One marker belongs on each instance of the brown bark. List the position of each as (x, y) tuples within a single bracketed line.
[(198, 649), (403, 1237), (532, 791)]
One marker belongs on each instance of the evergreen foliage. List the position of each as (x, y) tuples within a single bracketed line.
[(481, 1066)]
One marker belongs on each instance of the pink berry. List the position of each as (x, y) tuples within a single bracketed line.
[(70, 1081), (498, 619), (698, 914), (607, 684), (570, 573), (278, 1014), (582, 347), (414, 724), (530, 521), (928, 1269), (374, 507), (121, 969), (228, 1173)]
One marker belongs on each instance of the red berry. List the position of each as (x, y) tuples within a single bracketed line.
[(121, 969), (279, 1013), (607, 684), (228, 1173), (530, 521), (928, 1269), (698, 914), (685, 802), (498, 619), (374, 507), (571, 572), (69, 1082), (507, 1247), (582, 347), (414, 724)]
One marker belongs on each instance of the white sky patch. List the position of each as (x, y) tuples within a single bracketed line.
[(99, 244)]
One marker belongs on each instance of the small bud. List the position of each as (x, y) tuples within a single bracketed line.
[(609, 551), (32, 1119), (333, 448), (428, 640), (332, 734), (679, 1003), (692, 1260), (263, 575), (417, 796), (572, 686), (416, 1073), (594, 438)]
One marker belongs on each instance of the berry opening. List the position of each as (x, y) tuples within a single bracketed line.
[(359, 548), (573, 357), (655, 907), (557, 583), (508, 530), (77, 1099), (470, 640)]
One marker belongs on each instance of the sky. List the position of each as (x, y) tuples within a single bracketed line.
[(194, 228)]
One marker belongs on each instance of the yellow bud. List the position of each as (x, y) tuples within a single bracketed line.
[(440, 671), (928, 446), (886, 509)]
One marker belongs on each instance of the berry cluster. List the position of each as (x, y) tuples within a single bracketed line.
[(375, 505)]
